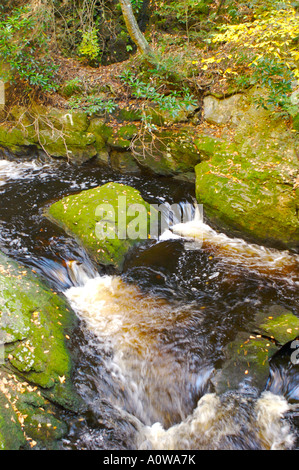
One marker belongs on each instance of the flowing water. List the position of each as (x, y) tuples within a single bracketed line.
[(150, 340)]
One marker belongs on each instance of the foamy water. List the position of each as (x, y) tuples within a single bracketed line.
[(131, 323), (216, 423), (236, 251), (156, 382), (11, 170)]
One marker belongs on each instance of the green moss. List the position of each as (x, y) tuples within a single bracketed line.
[(27, 419), (296, 122), (284, 328), (247, 357), (250, 201), (34, 321), (246, 183), (44, 427), (169, 153), (128, 131), (207, 146), (72, 144), (12, 138), (99, 128), (279, 323), (73, 120), (247, 361), (11, 434), (121, 137), (78, 215)]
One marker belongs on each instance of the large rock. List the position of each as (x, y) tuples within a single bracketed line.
[(27, 418), (11, 433), (105, 235), (247, 358), (78, 137), (36, 364), (34, 322), (249, 179), (60, 133), (221, 111), (167, 152)]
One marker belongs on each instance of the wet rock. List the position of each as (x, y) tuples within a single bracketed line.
[(11, 434), (36, 364), (27, 419), (248, 181), (245, 364), (104, 234), (34, 321), (279, 324), (168, 152), (248, 358)]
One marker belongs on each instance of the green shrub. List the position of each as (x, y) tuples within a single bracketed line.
[(72, 87), (89, 46), (24, 53), (173, 103), (92, 105)]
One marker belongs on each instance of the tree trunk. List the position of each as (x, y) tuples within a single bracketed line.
[(133, 29)]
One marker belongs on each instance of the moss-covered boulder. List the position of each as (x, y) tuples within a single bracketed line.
[(13, 138), (168, 152), (75, 146), (246, 358), (246, 363), (35, 323), (279, 324), (35, 360), (11, 433), (101, 132), (104, 220), (60, 133), (27, 418), (121, 137), (75, 135), (248, 179)]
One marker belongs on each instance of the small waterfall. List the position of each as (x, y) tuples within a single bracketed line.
[(13, 170), (199, 235), (230, 422), (153, 384), (132, 326)]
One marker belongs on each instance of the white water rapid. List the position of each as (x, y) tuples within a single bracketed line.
[(130, 323)]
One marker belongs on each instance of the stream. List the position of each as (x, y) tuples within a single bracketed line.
[(150, 340)]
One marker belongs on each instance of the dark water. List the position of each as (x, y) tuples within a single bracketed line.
[(144, 365)]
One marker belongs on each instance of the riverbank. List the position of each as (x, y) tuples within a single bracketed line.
[(242, 159)]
